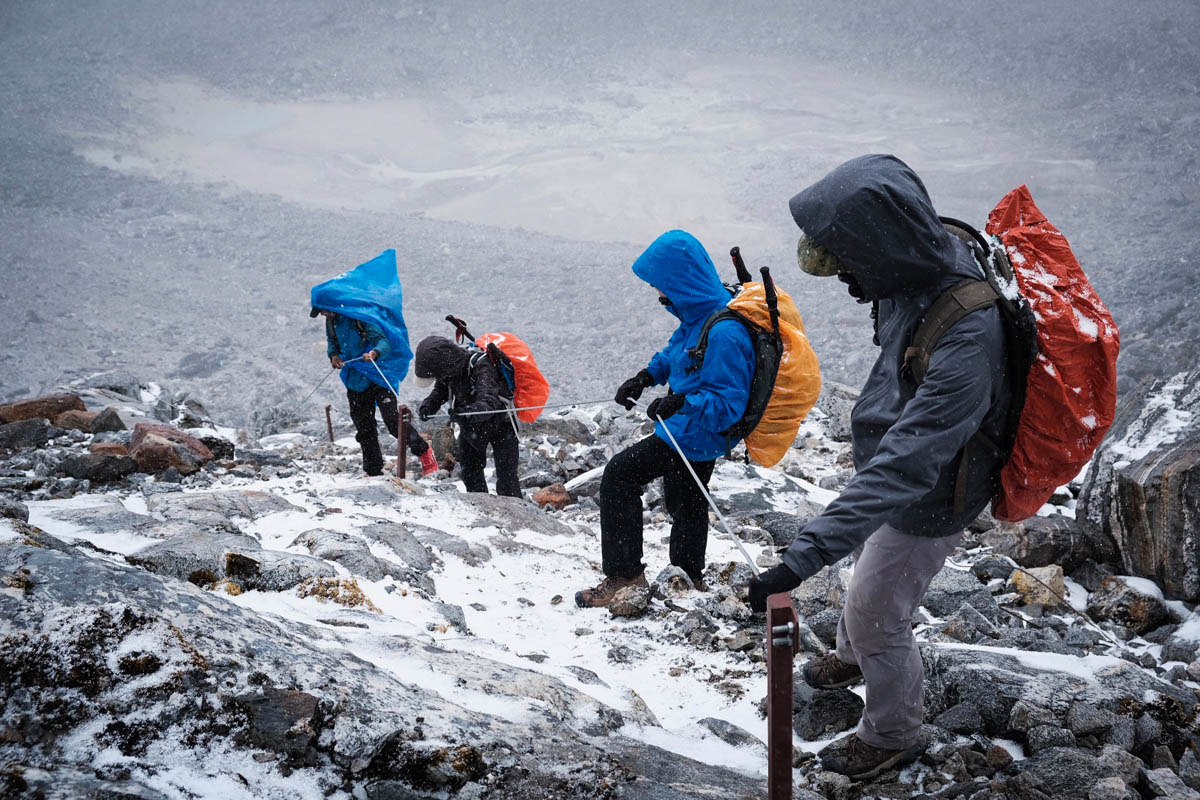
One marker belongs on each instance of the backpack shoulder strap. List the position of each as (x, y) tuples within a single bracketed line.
[(698, 351), (951, 306)]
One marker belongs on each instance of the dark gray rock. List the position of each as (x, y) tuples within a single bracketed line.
[(1090, 575), (1061, 771), (1142, 488), (1041, 541), (824, 625), (510, 514), (282, 721), (217, 509), (950, 588), (98, 467), (108, 421), (569, 426), (260, 458), (961, 718), (1164, 783), (731, 734), (783, 527), (25, 433), (401, 541), (968, 626), (991, 567), (1043, 737), (348, 551), (1123, 604), (836, 401), (1177, 649), (826, 589), (473, 554), (221, 448), (586, 484), (116, 381), (820, 714), (13, 509), (1122, 734), (1025, 716), (1189, 769), (1085, 718)]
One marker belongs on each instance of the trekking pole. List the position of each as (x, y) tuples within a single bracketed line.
[(703, 490), (739, 266), (402, 413)]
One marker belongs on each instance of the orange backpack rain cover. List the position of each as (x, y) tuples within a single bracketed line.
[(797, 384), (1071, 391), (532, 388)]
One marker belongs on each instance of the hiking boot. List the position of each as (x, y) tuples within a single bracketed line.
[(857, 760), (830, 672), (604, 592), (429, 463)]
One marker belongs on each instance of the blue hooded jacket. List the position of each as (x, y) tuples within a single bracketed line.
[(677, 265), (371, 294), (874, 215)]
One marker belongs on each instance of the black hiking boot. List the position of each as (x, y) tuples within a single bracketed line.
[(858, 761), (603, 593), (830, 672)]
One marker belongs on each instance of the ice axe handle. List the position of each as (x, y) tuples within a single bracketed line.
[(460, 328), (743, 274)]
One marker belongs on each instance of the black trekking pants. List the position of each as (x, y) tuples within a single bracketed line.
[(362, 413), (621, 508), (473, 441)]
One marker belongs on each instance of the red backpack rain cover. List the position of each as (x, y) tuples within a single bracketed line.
[(1071, 390), (532, 388)]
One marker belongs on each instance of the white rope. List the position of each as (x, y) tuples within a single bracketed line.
[(530, 408), (319, 384)]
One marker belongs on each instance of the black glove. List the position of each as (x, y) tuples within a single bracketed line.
[(775, 580), (631, 389), (663, 407), (425, 411)]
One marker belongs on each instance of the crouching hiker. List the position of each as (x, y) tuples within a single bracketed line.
[(353, 346), (923, 472), (701, 404), (478, 398)]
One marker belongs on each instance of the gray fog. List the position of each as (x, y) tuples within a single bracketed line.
[(174, 177)]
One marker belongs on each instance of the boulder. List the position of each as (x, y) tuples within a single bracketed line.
[(571, 426), (1143, 488), (553, 496), (157, 448), (784, 527), (1164, 783), (950, 588), (1016, 691), (836, 401), (1039, 585), (98, 467), (731, 734), (632, 601), (217, 509), (348, 551), (283, 721), (25, 433), (1042, 541), (115, 381), (471, 553), (823, 713), (47, 407), (412, 551), (1129, 605), (13, 509), (108, 420), (76, 420), (826, 589), (510, 514)]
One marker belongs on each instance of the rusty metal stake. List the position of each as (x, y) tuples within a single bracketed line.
[(783, 643), (329, 421), (401, 439)]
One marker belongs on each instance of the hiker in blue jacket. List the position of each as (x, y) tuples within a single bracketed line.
[(347, 340), (700, 405), (922, 472)]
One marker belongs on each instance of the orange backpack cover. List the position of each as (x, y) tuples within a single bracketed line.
[(1071, 389), (531, 387)]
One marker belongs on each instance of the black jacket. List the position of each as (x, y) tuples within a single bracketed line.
[(874, 214), (468, 380)]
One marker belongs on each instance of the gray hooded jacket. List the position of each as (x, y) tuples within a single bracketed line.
[(874, 214)]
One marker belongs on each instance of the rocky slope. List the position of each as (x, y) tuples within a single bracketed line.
[(190, 610)]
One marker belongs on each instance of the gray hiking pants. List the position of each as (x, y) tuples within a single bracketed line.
[(875, 631)]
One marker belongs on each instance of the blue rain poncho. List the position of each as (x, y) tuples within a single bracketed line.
[(371, 293)]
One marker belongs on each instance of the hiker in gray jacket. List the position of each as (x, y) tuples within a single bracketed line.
[(922, 472)]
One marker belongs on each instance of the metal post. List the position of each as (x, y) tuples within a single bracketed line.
[(401, 439), (329, 421), (783, 642)]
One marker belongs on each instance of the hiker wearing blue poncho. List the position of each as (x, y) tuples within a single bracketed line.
[(368, 341)]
